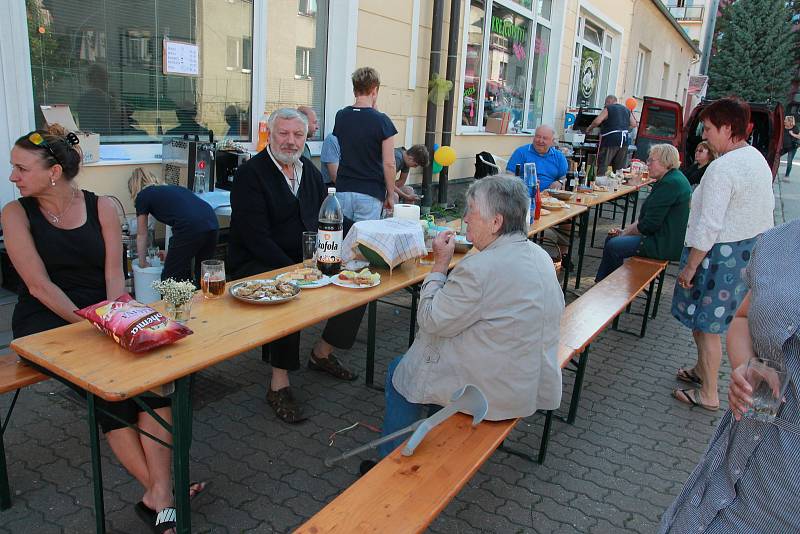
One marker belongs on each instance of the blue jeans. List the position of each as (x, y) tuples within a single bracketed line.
[(399, 412), (615, 251), (360, 207)]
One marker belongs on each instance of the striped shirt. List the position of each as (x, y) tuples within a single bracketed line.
[(748, 480)]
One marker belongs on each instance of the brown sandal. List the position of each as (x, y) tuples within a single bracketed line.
[(331, 366), (692, 398), (286, 408)]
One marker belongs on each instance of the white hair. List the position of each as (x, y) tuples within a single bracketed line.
[(287, 114)]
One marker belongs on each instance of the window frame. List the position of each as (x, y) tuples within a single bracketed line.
[(531, 15), (588, 12)]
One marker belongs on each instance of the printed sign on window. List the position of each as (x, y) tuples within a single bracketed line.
[(181, 58)]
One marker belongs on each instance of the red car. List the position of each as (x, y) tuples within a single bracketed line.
[(661, 121)]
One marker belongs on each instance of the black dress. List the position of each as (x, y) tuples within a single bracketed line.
[(75, 262), (695, 173)]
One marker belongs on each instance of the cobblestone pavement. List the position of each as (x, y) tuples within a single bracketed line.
[(615, 470)]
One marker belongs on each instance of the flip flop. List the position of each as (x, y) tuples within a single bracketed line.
[(165, 520), (689, 376), (148, 515), (690, 397)]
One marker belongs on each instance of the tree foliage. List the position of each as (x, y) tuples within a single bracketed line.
[(755, 51)]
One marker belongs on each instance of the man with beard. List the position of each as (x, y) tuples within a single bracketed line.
[(276, 197)]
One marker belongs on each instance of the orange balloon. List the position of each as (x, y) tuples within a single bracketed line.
[(631, 103)]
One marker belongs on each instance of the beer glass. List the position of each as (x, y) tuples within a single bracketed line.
[(310, 250), (768, 378), (212, 278)]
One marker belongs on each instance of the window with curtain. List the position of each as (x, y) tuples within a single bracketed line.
[(105, 59), (297, 40), (592, 75)]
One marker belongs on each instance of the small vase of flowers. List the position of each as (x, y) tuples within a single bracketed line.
[(177, 296)]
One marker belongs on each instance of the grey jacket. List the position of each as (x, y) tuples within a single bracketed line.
[(493, 322)]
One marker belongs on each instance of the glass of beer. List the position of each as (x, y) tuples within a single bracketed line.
[(427, 259), (212, 278)]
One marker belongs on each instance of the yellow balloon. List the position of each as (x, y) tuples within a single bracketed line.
[(444, 156)]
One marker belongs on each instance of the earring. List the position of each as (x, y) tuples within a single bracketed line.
[(52, 182)]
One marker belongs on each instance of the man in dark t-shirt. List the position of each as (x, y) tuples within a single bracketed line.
[(614, 122), (365, 177)]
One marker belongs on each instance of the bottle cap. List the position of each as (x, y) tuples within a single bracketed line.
[(331, 190)]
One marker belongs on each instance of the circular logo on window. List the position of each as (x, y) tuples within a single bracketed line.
[(588, 77)]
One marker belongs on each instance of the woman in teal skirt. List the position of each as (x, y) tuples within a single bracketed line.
[(732, 205)]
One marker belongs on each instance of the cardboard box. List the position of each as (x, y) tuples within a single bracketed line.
[(89, 142), (498, 122)]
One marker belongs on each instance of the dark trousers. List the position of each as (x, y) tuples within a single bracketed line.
[(789, 157), (616, 156), (182, 248), (284, 353)]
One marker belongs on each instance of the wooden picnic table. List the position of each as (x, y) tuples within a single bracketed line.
[(223, 328)]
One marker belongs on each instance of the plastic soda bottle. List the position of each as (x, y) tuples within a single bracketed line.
[(263, 132), (329, 235)]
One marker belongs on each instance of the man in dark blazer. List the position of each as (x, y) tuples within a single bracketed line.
[(276, 197)]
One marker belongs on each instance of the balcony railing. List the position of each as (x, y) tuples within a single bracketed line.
[(687, 13)]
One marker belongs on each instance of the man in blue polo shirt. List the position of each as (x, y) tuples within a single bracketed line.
[(551, 165)]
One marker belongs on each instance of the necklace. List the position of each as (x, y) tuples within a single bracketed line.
[(56, 219)]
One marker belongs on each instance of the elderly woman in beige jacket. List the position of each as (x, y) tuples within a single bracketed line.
[(492, 322)]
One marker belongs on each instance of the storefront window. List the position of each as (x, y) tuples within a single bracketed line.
[(297, 39), (500, 51), (507, 71), (105, 58), (474, 60), (541, 53)]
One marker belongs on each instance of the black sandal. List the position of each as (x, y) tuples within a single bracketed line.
[(331, 366), (689, 376), (286, 408)]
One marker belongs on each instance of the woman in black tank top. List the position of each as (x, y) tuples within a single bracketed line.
[(66, 245)]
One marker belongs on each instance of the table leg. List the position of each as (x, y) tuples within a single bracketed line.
[(594, 225), (412, 329), (568, 259), (625, 211), (635, 206), (97, 472), (372, 309), (582, 246), (181, 439)]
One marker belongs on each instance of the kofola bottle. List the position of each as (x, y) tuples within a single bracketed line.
[(329, 237)]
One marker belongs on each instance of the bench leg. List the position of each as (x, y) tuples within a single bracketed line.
[(5, 488), (658, 293), (647, 303), (615, 323), (576, 388), (97, 471), (548, 422), (181, 428)]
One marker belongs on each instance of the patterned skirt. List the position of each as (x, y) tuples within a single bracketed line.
[(717, 289)]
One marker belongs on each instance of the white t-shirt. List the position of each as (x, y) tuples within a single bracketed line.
[(734, 200)]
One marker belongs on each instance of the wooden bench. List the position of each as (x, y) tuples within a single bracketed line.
[(406, 493), (585, 318), (14, 375)]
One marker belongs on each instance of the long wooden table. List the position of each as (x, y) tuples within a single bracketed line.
[(223, 328)]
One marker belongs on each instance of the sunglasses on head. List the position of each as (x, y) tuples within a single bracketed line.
[(37, 139)]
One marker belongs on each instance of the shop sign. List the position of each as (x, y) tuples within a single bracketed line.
[(508, 30)]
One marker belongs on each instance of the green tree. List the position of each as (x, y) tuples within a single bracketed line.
[(754, 51)]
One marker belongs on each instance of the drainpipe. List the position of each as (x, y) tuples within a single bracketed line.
[(430, 118), (449, 105), (708, 38)]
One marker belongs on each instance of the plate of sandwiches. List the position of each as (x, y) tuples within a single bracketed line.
[(306, 277), (357, 280)]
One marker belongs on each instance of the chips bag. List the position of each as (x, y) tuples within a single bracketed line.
[(133, 325)]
